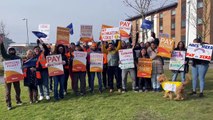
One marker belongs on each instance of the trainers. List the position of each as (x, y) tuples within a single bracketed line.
[(41, 98), (9, 107), (47, 97), (124, 91), (119, 90), (201, 95), (110, 90), (19, 103), (65, 93), (140, 91)]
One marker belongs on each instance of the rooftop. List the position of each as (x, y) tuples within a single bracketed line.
[(160, 9)]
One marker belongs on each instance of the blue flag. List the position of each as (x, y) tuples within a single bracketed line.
[(70, 26), (147, 24), (39, 34)]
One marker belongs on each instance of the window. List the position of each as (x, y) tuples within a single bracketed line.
[(199, 21), (173, 26), (183, 23), (173, 12), (173, 36), (161, 15), (200, 4), (183, 9), (183, 38), (161, 27)]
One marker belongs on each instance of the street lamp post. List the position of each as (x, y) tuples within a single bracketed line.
[(27, 41)]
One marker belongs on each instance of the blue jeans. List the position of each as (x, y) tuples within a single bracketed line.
[(44, 86), (199, 71), (59, 79), (92, 78), (175, 74), (155, 83)]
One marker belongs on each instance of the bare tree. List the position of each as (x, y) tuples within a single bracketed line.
[(200, 19), (3, 29), (141, 7)]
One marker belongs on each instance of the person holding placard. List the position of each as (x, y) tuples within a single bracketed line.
[(10, 56), (199, 70), (112, 60), (126, 55), (93, 49), (31, 76), (157, 66), (41, 65), (181, 47), (143, 82), (59, 79), (79, 71)]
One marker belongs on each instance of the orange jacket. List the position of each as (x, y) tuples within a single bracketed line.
[(68, 57), (38, 74), (42, 61)]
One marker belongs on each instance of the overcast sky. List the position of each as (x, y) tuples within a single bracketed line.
[(60, 13)]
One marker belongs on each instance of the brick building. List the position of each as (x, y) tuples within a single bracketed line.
[(183, 20)]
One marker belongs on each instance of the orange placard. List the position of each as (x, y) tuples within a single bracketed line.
[(96, 62), (13, 71), (102, 30), (63, 36), (79, 61), (166, 47), (125, 29), (86, 33), (55, 66), (144, 68)]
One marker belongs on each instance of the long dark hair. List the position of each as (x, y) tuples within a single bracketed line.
[(184, 47), (146, 55)]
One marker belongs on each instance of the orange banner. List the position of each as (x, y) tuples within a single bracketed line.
[(102, 30), (125, 29), (96, 62), (144, 68), (63, 36), (166, 47), (86, 33), (79, 62), (13, 71), (55, 66)]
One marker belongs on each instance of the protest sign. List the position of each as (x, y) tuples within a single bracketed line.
[(55, 65), (103, 30), (63, 36), (198, 51), (144, 68), (45, 28), (166, 47), (79, 62), (96, 62), (110, 34), (125, 29), (177, 60), (126, 59), (86, 33), (13, 71)]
